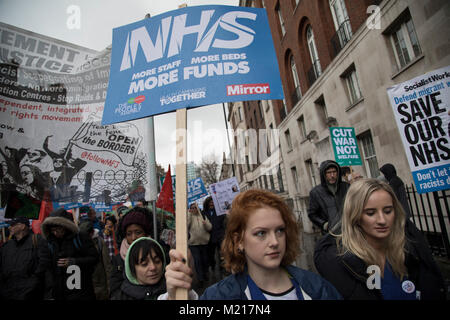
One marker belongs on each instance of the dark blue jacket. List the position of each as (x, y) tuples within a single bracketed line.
[(234, 286)]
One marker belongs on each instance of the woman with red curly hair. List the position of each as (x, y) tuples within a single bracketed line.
[(261, 241)]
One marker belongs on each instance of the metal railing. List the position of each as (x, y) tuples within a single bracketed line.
[(341, 37), (314, 72), (430, 214)]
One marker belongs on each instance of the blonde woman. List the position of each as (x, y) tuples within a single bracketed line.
[(378, 254)]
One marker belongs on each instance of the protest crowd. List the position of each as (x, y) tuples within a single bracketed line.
[(248, 253)]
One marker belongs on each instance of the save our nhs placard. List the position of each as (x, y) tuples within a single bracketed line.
[(191, 57), (422, 111)]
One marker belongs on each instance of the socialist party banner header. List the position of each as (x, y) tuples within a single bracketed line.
[(421, 109), (191, 57)]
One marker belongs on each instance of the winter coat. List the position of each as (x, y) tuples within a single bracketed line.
[(348, 273), (234, 287), (129, 291), (117, 274), (397, 185), (21, 271), (102, 272), (218, 225), (323, 205), (80, 248), (198, 232)]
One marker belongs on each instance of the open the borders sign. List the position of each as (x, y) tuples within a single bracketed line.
[(191, 57)]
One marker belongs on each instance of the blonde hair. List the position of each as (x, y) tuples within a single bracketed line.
[(353, 240)]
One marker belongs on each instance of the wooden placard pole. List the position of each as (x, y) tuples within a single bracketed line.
[(180, 189), (180, 192)]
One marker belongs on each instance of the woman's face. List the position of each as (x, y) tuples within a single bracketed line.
[(109, 225), (133, 232), (378, 216), (58, 231), (264, 240), (150, 270)]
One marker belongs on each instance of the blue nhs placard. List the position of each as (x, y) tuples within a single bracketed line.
[(191, 57), (196, 190)]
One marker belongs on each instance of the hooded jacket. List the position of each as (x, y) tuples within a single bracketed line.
[(324, 206), (348, 273), (234, 287), (390, 173), (79, 248), (130, 288), (139, 216)]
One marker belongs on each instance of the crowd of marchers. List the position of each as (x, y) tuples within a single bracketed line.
[(369, 250)]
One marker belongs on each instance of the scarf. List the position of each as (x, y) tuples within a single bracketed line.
[(124, 248)]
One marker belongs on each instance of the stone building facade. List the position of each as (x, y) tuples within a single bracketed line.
[(336, 59)]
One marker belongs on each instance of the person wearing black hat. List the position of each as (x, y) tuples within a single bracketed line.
[(136, 223), (68, 247), (390, 173), (21, 270), (326, 199)]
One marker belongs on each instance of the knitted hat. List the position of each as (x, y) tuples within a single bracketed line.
[(139, 218)]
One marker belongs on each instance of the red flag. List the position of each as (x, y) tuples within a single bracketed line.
[(165, 199), (46, 209)]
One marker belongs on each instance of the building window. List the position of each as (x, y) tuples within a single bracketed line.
[(296, 96), (283, 111), (280, 17), (311, 172), (322, 109), (316, 68), (369, 155), (261, 113), (295, 177), (272, 183), (341, 24), (302, 127), (351, 80), (270, 140), (404, 41), (280, 179), (248, 164), (288, 140)]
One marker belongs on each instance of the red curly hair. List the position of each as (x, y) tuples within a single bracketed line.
[(242, 207)]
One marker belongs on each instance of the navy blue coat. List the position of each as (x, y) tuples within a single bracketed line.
[(234, 286)]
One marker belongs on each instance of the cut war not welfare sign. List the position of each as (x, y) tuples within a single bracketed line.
[(191, 57), (345, 147), (421, 109)]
